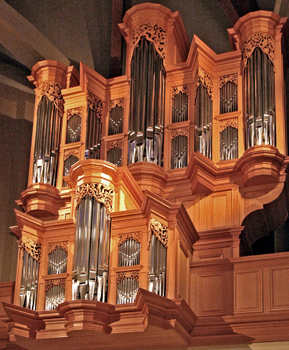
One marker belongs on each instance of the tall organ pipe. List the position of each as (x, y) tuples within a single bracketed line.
[(259, 83), (91, 252), (146, 104)]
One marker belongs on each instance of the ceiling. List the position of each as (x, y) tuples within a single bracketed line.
[(71, 31)]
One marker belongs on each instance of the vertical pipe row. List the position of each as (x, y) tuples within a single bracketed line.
[(57, 261), (129, 253), (114, 156), (127, 291), (179, 147), (228, 98), (54, 297), (180, 108), (93, 135), (73, 129), (115, 125), (229, 143)]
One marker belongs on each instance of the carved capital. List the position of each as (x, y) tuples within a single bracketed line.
[(56, 245), (153, 33), (49, 284), (123, 237), (114, 144), (32, 248), (263, 41), (95, 104), (182, 132), (103, 194), (177, 89), (72, 111), (160, 231), (233, 78), (121, 276), (52, 91), (223, 124), (113, 103)]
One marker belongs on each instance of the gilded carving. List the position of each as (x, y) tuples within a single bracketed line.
[(95, 104), (114, 144), (177, 89), (123, 237), (32, 248), (153, 33), (121, 276), (72, 111), (223, 124), (263, 41), (160, 231), (182, 132), (233, 78), (113, 103), (49, 284), (103, 194), (56, 245), (71, 152), (52, 91)]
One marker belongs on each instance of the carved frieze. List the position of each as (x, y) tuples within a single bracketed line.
[(113, 103), (114, 144), (49, 284), (71, 152), (160, 231), (263, 41), (56, 245), (223, 124), (233, 78), (32, 248), (121, 276), (52, 91), (153, 33), (72, 111), (100, 192), (123, 237), (95, 104), (182, 132), (177, 89)]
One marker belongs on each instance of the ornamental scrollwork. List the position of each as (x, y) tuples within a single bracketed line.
[(103, 194), (123, 237), (232, 78), (153, 33), (160, 231), (49, 284), (71, 152), (121, 276), (52, 91), (179, 132), (177, 89), (114, 144), (95, 104), (223, 124), (56, 245), (71, 112), (113, 103), (263, 41), (32, 248), (206, 79)]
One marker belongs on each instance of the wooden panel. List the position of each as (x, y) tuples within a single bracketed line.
[(6, 295), (279, 281), (221, 209), (210, 294), (248, 291)]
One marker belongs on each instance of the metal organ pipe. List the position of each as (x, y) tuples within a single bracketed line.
[(179, 147), (259, 83), (114, 156)]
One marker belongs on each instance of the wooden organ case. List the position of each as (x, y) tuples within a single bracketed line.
[(138, 187)]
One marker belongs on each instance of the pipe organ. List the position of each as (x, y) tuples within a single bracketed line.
[(124, 170)]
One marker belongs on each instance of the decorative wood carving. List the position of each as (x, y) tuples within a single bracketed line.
[(160, 231), (114, 144), (95, 103), (153, 33), (71, 152), (233, 78), (203, 77), (49, 284), (52, 91), (56, 245), (100, 192), (123, 237), (72, 111), (263, 41), (121, 276), (182, 132), (32, 248), (223, 124), (177, 89), (113, 103)]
